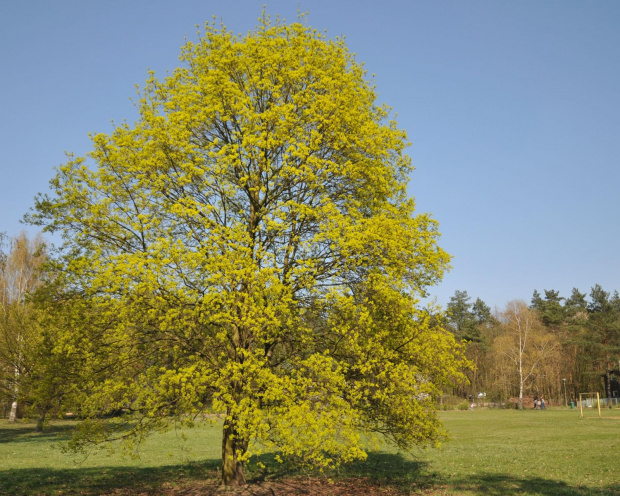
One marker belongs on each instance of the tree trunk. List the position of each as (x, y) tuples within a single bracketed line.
[(41, 422), (13, 413), (521, 352), (520, 404), (608, 383), (232, 448)]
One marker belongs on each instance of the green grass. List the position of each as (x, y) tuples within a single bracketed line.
[(491, 452), (33, 463), (552, 452)]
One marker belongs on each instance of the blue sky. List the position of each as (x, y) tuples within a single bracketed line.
[(512, 108)]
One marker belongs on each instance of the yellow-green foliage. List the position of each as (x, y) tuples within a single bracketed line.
[(248, 246)]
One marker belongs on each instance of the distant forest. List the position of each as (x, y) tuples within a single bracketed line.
[(556, 346)]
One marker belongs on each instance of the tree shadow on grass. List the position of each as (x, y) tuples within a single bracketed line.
[(391, 469), (500, 485), (404, 476), (380, 469), (105, 480), (410, 476), (27, 432), (381, 473)]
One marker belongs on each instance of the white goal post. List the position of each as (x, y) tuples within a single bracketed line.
[(587, 400)]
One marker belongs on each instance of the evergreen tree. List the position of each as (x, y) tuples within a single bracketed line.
[(462, 320)]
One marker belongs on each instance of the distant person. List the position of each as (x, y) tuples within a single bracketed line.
[(535, 401), (542, 403)]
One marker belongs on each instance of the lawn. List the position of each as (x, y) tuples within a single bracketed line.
[(494, 452), (529, 452)]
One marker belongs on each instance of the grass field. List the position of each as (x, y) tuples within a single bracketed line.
[(491, 452)]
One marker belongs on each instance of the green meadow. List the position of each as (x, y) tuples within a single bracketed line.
[(496, 452)]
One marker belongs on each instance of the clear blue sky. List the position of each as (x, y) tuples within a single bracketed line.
[(512, 108)]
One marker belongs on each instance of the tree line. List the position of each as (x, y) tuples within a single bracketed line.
[(556, 346)]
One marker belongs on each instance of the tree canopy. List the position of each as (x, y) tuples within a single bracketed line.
[(248, 248)]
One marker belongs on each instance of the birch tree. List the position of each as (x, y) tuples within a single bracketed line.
[(523, 347), (20, 274)]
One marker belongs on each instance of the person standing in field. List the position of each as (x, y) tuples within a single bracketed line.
[(535, 401)]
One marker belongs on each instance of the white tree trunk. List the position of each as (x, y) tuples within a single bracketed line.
[(13, 413), (521, 380)]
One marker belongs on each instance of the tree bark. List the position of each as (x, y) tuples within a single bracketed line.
[(232, 448), (521, 381), (13, 413)]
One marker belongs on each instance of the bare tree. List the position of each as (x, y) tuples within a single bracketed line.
[(524, 347)]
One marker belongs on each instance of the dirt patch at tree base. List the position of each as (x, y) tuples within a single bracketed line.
[(290, 487), (287, 487)]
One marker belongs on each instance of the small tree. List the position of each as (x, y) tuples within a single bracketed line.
[(248, 247)]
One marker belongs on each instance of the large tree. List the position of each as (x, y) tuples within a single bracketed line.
[(248, 246)]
